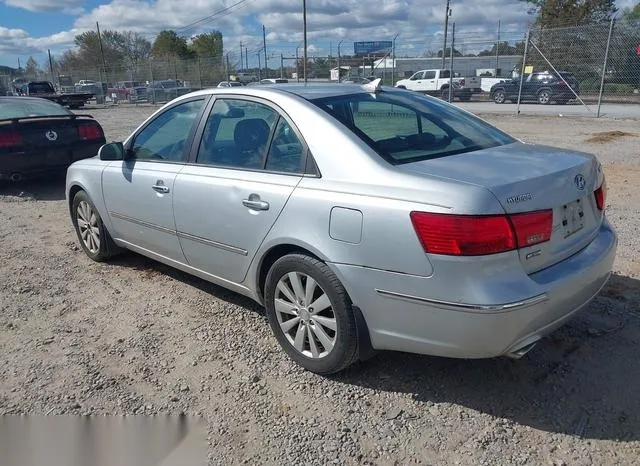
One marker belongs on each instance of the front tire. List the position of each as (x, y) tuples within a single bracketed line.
[(94, 238), (499, 96), (310, 314)]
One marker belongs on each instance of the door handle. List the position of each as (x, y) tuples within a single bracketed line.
[(255, 203), (160, 188)]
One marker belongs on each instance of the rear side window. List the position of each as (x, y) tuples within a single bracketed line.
[(404, 127)]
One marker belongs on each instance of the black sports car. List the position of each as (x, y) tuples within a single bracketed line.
[(38, 137)]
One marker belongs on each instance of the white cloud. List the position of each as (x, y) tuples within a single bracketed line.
[(68, 6), (416, 22)]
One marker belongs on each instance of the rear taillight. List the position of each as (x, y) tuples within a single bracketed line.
[(532, 227), (11, 138), (601, 195), (89, 132), (476, 235), (461, 82)]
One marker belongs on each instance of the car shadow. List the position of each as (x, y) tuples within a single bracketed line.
[(50, 188), (583, 380), (151, 267)]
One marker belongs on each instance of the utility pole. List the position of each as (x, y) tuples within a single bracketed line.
[(104, 63), (246, 58), (227, 63), (19, 67), (393, 60), (453, 43), (339, 70), (281, 66), (446, 27), (51, 66), (304, 22), (297, 70), (259, 67), (241, 55), (264, 46)]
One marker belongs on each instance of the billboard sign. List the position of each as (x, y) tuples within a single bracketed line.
[(378, 47)]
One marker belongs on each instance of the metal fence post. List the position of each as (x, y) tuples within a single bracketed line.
[(453, 43), (524, 64), (604, 67), (199, 74)]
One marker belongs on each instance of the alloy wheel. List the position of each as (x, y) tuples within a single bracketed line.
[(305, 315), (88, 226), (544, 97)]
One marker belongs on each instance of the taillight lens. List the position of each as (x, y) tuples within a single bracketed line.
[(461, 82), (476, 235), (601, 195), (11, 138), (532, 227), (89, 132)]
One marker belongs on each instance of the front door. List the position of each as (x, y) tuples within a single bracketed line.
[(249, 161), (138, 191)]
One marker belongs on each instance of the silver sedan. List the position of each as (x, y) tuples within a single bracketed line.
[(363, 218)]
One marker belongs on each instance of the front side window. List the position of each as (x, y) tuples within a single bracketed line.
[(405, 127), (237, 134), (166, 136)]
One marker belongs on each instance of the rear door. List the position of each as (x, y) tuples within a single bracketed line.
[(249, 161), (139, 191)]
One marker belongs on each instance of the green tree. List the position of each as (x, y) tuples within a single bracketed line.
[(456, 52), (168, 44), (32, 68), (207, 45), (632, 15), (561, 13)]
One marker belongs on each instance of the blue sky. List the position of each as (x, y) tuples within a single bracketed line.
[(30, 27)]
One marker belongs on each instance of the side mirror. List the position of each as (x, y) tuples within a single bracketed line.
[(111, 151)]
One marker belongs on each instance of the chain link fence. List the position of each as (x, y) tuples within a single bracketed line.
[(602, 58)]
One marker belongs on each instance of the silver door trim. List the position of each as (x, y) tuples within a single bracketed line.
[(464, 306), (142, 223), (215, 244)]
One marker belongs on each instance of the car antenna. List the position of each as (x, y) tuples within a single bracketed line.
[(373, 86)]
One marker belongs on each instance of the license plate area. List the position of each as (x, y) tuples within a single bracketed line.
[(573, 217)]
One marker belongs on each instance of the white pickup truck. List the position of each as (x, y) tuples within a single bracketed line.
[(437, 82)]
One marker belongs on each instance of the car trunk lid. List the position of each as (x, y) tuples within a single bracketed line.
[(528, 178)]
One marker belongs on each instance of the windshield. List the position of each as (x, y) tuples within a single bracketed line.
[(405, 127), (20, 108)]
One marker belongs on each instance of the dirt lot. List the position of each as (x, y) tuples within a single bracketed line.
[(134, 336)]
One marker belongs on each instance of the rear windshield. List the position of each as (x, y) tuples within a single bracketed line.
[(40, 88), (406, 127), (20, 108)]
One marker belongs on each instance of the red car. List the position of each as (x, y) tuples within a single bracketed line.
[(127, 90)]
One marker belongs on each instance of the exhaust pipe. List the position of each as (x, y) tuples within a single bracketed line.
[(520, 352), (15, 177)]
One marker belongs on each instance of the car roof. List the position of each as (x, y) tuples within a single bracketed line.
[(316, 91)]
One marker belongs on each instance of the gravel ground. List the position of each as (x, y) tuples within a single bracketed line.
[(135, 336)]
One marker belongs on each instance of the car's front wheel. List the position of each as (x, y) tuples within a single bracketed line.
[(499, 96), (310, 314), (92, 234)]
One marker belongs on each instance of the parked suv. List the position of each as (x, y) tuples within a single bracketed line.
[(543, 87)]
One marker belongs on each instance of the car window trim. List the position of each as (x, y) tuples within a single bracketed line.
[(190, 137), (281, 114)]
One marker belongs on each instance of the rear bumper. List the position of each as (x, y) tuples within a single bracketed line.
[(400, 317), (44, 162)]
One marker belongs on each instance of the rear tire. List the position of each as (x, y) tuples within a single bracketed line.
[(323, 340), (444, 95), (95, 240), (544, 97)]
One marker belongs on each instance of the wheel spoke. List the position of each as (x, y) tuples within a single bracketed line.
[(299, 341), (323, 337), (285, 290), (284, 307), (289, 324), (315, 352), (90, 241), (294, 278), (325, 322), (320, 304), (84, 233), (310, 288)]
